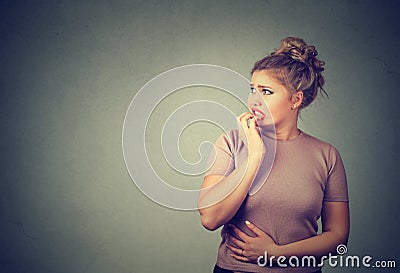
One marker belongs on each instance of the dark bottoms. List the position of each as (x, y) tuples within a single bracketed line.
[(218, 269)]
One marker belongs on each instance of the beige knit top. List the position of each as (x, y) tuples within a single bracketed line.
[(305, 173)]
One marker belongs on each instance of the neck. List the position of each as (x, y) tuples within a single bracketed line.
[(282, 133), (288, 134)]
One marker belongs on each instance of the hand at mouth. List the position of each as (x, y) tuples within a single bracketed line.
[(258, 114)]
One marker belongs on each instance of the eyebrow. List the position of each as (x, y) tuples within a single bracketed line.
[(260, 86)]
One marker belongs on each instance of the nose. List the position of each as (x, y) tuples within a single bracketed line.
[(254, 100)]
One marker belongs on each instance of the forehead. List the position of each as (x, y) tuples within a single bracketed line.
[(265, 78)]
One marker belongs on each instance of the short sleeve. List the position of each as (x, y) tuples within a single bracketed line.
[(336, 184), (221, 159)]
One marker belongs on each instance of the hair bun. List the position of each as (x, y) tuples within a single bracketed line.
[(297, 49)]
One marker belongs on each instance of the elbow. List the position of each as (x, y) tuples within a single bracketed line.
[(210, 223), (341, 237), (344, 238), (209, 216)]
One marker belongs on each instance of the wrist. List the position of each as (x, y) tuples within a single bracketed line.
[(275, 250), (256, 157)]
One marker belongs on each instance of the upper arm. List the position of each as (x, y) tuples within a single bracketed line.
[(211, 180), (221, 159), (336, 219), (336, 184)]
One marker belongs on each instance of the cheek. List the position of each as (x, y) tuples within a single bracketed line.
[(249, 101), (278, 107)]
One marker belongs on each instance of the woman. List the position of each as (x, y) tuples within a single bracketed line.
[(307, 179)]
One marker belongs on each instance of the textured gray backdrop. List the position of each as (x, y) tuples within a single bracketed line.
[(69, 70)]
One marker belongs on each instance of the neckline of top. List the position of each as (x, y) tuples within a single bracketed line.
[(299, 136)]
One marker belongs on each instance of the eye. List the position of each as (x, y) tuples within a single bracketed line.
[(266, 91), (252, 90)]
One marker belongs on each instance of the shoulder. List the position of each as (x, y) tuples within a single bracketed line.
[(325, 150), (320, 146), (230, 139), (316, 142)]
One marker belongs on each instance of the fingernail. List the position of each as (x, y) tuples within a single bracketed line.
[(247, 223)]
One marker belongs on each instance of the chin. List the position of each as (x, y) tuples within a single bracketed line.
[(269, 126), (264, 123)]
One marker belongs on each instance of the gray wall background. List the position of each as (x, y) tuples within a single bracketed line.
[(69, 70)]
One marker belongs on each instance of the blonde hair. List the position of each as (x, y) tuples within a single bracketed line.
[(296, 66)]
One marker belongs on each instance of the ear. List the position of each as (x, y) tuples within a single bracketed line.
[(297, 98)]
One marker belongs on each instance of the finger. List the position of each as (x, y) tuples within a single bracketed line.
[(235, 250), (245, 116), (242, 114), (243, 236), (254, 228), (245, 119), (252, 123), (240, 258), (236, 242)]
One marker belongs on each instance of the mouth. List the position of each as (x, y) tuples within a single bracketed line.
[(257, 113)]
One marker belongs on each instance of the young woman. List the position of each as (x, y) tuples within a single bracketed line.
[(307, 179)]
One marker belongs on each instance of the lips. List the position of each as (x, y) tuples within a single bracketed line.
[(258, 113)]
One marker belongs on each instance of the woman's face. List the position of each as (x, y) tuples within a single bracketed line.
[(268, 93)]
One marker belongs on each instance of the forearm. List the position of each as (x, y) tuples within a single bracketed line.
[(229, 193), (316, 246), (335, 231)]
